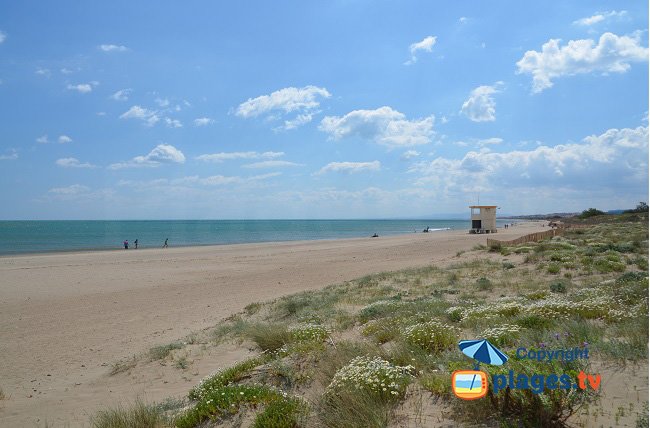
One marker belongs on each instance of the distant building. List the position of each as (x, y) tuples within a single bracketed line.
[(484, 218)]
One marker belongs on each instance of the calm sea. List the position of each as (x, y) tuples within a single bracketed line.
[(45, 236)]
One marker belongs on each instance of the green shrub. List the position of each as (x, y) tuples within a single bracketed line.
[(371, 375), (553, 268), (309, 333), (225, 377), (227, 400), (508, 265), (591, 212), (484, 284), (558, 287), (432, 336), (281, 414)]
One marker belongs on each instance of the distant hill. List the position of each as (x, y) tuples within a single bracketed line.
[(540, 216)]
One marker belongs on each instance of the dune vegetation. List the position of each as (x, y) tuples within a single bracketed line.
[(379, 351)]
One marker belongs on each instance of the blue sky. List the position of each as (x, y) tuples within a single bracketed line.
[(341, 109)]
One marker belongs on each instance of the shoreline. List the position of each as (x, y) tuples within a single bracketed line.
[(119, 250)]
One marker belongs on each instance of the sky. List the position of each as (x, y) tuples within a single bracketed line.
[(304, 109)]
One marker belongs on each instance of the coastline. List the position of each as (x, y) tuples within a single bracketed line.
[(66, 317)]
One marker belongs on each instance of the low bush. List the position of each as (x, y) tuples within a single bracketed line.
[(432, 336)]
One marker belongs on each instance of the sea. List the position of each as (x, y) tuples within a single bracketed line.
[(21, 237)]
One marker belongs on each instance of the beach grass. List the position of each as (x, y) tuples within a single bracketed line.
[(346, 355), (138, 415)]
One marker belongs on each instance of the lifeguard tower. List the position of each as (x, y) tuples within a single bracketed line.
[(484, 218)]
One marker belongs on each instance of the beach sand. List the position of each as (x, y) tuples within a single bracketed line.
[(65, 318)]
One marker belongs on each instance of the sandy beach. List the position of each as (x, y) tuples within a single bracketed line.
[(66, 317)]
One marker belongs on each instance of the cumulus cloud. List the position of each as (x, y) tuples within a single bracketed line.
[(149, 117), (161, 154), (616, 159), (220, 157), (271, 164), (350, 167), (480, 106), (599, 17), (383, 126), (612, 54), (203, 121), (121, 95), (303, 100), (42, 139), (112, 48), (425, 45), (82, 88), (64, 139), (73, 163)]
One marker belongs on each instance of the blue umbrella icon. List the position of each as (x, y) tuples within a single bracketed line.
[(483, 351)]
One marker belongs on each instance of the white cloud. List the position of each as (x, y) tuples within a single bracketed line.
[(490, 141), (162, 153), (616, 159), (599, 17), (612, 54), (42, 139), (480, 106), (462, 19), (425, 45), (220, 157), (113, 48), (163, 102), (173, 123), (82, 88), (194, 180), (303, 100), (409, 154), (384, 126), (203, 121), (63, 139), (299, 120), (13, 155), (350, 167), (149, 117), (271, 164), (3, 37), (73, 163), (74, 189), (45, 72), (121, 95)]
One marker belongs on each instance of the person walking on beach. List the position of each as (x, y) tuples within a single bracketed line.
[(165, 244), (136, 244), (126, 244)]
